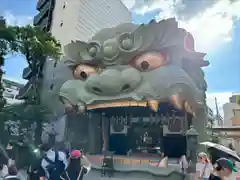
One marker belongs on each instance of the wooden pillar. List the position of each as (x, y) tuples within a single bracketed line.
[(105, 132), (94, 133), (199, 123)]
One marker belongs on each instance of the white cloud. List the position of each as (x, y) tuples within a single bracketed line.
[(210, 26), (18, 20), (222, 98)]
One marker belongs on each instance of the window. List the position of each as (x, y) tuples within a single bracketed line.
[(51, 87), (64, 5), (8, 95), (55, 64)]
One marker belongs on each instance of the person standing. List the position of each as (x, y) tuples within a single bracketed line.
[(11, 153), (35, 170), (54, 163), (223, 169), (78, 166), (203, 167)]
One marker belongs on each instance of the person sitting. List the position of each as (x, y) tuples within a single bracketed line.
[(53, 163), (222, 169), (12, 173), (78, 166)]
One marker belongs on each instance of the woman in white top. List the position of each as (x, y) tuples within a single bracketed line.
[(204, 167)]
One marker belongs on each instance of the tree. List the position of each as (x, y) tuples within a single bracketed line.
[(27, 120), (7, 45), (36, 45)]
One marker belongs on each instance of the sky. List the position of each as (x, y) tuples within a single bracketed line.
[(215, 26)]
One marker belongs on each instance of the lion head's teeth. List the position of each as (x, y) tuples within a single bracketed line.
[(118, 104), (177, 100), (153, 104), (81, 108)]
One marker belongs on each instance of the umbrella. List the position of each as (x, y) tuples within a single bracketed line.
[(222, 148)]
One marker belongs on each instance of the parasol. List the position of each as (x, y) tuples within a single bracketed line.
[(222, 148)]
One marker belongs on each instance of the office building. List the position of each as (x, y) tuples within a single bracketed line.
[(79, 19), (235, 98)]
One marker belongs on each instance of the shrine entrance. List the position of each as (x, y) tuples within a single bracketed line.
[(118, 143), (142, 132), (174, 146)]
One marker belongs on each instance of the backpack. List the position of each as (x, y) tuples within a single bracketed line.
[(56, 168)]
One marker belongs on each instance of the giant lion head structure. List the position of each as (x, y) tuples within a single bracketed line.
[(135, 65)]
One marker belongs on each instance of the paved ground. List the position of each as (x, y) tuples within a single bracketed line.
[(96, 176)]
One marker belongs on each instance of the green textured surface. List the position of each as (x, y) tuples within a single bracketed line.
[(113, 49)]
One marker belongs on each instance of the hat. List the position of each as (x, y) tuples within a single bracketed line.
[(202, 154), (75, 154), (226, 163)]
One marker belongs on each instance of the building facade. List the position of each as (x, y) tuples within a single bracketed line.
[(230, 131), (235, 98), (11, 90), (231, 114), (79, 19), (70, 20)]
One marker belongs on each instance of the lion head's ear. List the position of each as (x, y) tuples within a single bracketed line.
[(74, 49)]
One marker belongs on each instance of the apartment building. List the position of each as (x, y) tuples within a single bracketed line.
[(11, 90)]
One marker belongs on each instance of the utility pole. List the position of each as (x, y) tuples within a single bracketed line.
[(219, 119)]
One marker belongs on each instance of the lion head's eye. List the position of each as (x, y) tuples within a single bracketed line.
[(149, 61), (83, 71)]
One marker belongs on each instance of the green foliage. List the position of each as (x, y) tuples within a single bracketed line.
[(24, 112), (23, 116), (29, 41), (36, 45), (7, 42)]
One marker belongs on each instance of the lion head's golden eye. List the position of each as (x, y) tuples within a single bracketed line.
[(83, 71)]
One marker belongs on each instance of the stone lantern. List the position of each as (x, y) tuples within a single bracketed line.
[(192, 145)]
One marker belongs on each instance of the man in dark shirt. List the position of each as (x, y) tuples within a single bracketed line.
[(35, 170), (223, 168)]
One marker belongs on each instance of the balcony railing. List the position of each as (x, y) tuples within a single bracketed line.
[(41, 3), (43, 13)]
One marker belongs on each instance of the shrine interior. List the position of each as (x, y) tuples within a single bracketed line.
[(139, 131)]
